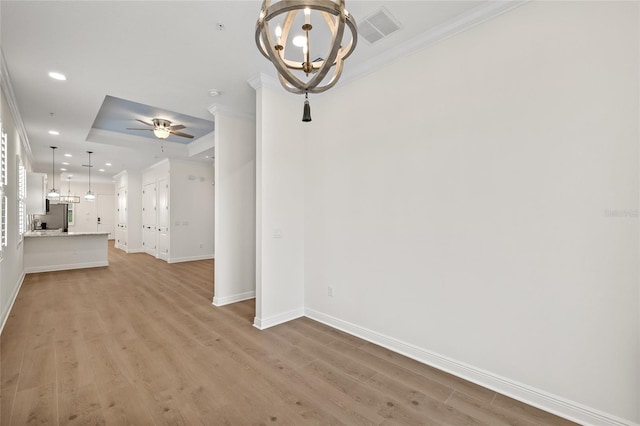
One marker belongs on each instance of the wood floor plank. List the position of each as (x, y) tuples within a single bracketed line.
[(38, 365), (139, 342), (124, 406), (449, 380), (484, 413), (523, 411), (35, 405), (80, 405)]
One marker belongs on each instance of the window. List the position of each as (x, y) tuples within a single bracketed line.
[(22, 197), (3, 184), (4, 225), (3, 159)]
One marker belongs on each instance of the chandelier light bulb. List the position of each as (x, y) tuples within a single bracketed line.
[(299, 41)]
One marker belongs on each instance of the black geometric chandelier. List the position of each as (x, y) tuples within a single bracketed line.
[(284, 37)]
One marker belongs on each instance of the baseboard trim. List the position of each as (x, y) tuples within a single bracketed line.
[(134, 251), (264, 323), (527, 394), (14, 296), (226, 300), (190, 258), (65, 267)]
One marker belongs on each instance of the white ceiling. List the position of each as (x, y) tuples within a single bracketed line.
[(166, 55)]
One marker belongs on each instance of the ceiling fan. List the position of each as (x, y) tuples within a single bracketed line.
[(162, 128)]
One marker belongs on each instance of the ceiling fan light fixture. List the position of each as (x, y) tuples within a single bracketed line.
[(161, 132), (162, 128)]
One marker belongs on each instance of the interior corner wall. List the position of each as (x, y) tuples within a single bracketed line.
[(476, 204), (280, 207), (235, 208), (192, 211), (12, 264)]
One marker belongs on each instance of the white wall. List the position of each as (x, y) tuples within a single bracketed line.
[(235, 206), (462, 203), (192, 211), (157, 171), (86, 212), (12, 264), (280, 207)]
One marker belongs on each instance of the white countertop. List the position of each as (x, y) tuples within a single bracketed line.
[(58, 233)]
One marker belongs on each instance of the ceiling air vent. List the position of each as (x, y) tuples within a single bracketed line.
[(378, 25)]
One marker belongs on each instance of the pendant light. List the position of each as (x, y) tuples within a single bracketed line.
[(53, 193), (69, 198), (278, 21), (89, 196)]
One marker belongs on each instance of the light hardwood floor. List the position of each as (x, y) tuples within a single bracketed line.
[(139, 343)]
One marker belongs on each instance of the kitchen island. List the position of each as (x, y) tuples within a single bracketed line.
[(50, 250)]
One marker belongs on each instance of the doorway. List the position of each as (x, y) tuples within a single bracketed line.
[(106, 214)]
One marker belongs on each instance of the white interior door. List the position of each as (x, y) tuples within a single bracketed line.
[(106, 214), (122, 206), (162, 209), (149, 219)]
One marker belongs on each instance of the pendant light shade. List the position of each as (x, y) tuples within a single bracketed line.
[(89, 195), (53, 194), (161, 132)]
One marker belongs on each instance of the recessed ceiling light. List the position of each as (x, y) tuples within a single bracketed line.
[(101, 170), (69, 175), (63, 170), (68, 155), (107, 164), (206, 156), (57, 76), (64, 163), (214, 92), (54, 132)]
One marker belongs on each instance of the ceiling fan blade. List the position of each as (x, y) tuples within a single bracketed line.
[(145, 123), (182, 135), (131, 128), (177, 127)]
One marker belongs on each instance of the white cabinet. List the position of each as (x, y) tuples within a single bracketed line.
[(162, 209), (121, 208), (36, 193), (128, 214), (121, 216), (121, 236), (149, 219)]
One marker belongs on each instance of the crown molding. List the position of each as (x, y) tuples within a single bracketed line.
[(7, 89), (457, 25), (261, 80), (232, 112)]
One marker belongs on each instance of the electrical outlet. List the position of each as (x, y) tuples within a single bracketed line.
[(330, 291)]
